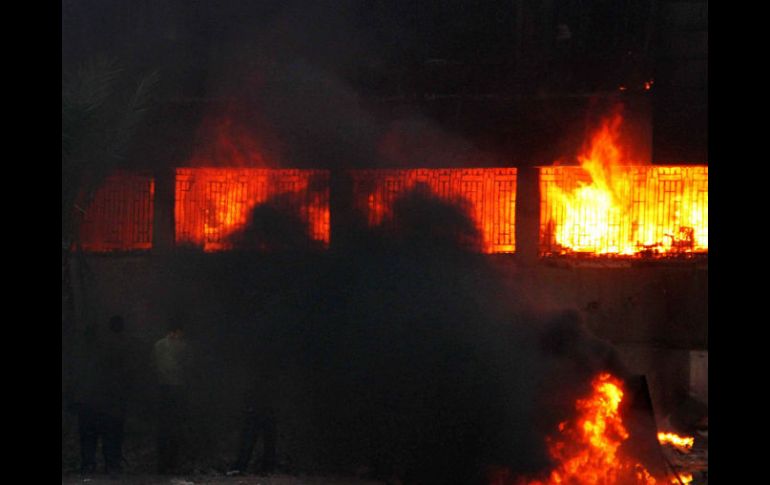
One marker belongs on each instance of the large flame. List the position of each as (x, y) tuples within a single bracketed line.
[(609, 205), (587, 449)]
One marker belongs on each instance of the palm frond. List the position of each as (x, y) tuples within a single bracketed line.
[(92, 84), (98, 124)]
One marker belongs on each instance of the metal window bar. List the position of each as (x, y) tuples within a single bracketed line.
[(661, 210), (211, 204), (490, 194), (120, 215)]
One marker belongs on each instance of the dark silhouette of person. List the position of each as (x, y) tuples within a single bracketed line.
[(105, 391), (172, 364), (566, 337), (258, 421)]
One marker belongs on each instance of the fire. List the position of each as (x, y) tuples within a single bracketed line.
[(587, 450), (235, 173), (224, 142), (683, 479), (609, 206), (680, 442), (488, 193), (213, 204)]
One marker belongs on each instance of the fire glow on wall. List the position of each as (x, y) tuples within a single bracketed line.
[(120, 214)]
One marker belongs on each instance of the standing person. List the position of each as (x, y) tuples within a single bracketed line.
[(104, 394), (172, 363), (258, 422)]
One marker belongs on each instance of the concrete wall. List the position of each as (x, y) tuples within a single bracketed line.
[(656, 315), (654, 312)]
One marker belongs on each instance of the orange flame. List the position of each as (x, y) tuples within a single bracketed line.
[(684, 479), (213, 204), (234, 172), (223, 142), (608, 206), (587, 450), (681, 442)]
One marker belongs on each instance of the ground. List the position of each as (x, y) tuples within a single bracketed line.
[(215, 480)]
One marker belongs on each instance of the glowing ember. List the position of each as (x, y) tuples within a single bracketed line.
[(488, 193), (607, 206), (681, 442), (587, 450), (213, 204), (684, 479)]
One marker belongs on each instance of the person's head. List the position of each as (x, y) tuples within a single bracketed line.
[(175, 328), (562, 333), (116, 323)]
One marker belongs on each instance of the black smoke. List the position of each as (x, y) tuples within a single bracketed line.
[(402, 353), (403, 358)]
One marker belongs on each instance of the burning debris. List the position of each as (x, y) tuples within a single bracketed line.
[(688, 459), (681, 443), (588, 449)]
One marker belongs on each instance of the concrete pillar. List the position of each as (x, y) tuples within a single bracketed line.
[(527, 215), (699, 375), (341, 208), (636, 131), (163, 210)]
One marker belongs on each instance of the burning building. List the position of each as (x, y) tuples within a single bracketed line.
[(313, 250), (487, 195), (606, 206), (211, 204), (120, 216), (601, 211)]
